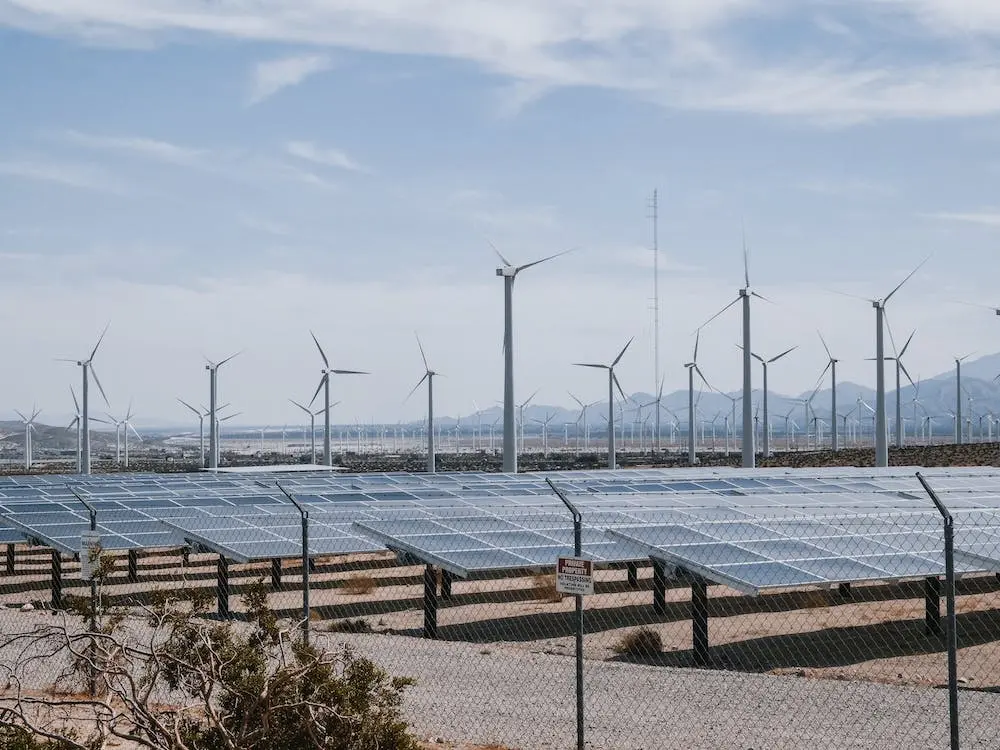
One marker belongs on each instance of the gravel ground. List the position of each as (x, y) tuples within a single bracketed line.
[(525, 700)]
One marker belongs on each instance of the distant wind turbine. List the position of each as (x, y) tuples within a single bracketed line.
[(213, 423), (88, 369), (831, 365), (324, 385), (692, 368), (765, 443), (958, 397), (429, 377), (78, 421), (201, 428), (508, 271), (612, 384), (29, 427), (312, 424)]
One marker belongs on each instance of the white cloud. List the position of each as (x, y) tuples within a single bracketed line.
[(984, 218), (147, 148), (272, 76), (847, 188), (67, 174), (327, 157)]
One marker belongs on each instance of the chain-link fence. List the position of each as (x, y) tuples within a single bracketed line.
[(765, 626)]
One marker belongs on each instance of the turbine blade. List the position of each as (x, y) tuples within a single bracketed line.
[(319, 387), (326, 362), (422, 355), (583, 364), (188, 406), (888, 327), (787, 351), (848, 294), (303, 408), (903, 350), (232, 356), (761, 296), (903, 368), (746, 258), (99, 340), (622, 352), (75, 402), (75, 420), (23, 418), (419, 382), (128, 426), (99, 386), (697, 340), (719, 313), (824, 344), (908, 277), (548, 257), (575, 399), (703, 378), (614, 379), (499, 254), (825, 370), (530, 397), (349, 372)]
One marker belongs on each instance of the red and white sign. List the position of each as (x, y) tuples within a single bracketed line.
[(575, 575)]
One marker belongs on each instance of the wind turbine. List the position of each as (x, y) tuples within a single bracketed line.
[(77, 420), (429, 377), (881, 437), (612, 383), (766, 446), (958, 397), (692, 367), (312, 424), (900, 367), (127, 425), (545, 432), (324, 384), (213, 421), (831, 365), (201, 427), (29, 426), (509, 272), (583, 416), (749, 459), (520, 416), (118, 439), (88, 369)]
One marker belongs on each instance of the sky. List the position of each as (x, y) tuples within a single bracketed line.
[(219, 176)]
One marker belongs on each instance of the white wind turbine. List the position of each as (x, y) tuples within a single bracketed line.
[(766, 445), (881, 435), (429, 377), (900, 369), (312, 424), (324, 385), (88, 369), (201, 426), (545, 432), (29, 427), (958, 397), (583, 415), (692, 368), (127, 425), (213, 419), (520, 417), (118, 439), (77, 420), (509, 272), (831, 365), (612, 383), (749, 459)]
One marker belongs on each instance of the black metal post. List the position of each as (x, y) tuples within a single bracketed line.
[(430, 602), (932, 606), (133, 566), (275, 572), (659, 588), (56, 582), (447, 578), (633, 574), (699, 620), (185, 556), (10, 559), (222, 587), (952, 620), (307, 563), (844, 589), (577, 552)]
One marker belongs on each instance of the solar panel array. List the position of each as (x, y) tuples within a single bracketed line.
[(468, 522)]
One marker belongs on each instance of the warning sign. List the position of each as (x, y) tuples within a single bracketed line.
[(90, 552), (575, 575)]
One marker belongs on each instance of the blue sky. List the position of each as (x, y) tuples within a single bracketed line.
[(220, 176)]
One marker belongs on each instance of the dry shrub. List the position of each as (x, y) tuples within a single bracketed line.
[(643, 642), (350, 626), (816, 598), (545, 588), (360, 583)]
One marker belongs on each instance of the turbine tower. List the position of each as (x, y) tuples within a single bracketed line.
[(77, 420), (657, 382), (509, 272), (88, 369), (213, 421), (765, 441), (958, 397), (692, 368), (900, 369), (324, 384), (612, 384), (831, 365), (429, 377)]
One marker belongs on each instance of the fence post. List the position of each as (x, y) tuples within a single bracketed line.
[(577, 552), (952, 620), (306, 562)]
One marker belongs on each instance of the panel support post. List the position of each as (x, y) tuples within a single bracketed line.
[(633, 575), (57, 598), (133, 566), (430, 602), (659, 588), (844, 589), (932, 606), (446, 580), (699, 620), (222, 587), (10, 559), (275, 572), (185, 556)]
